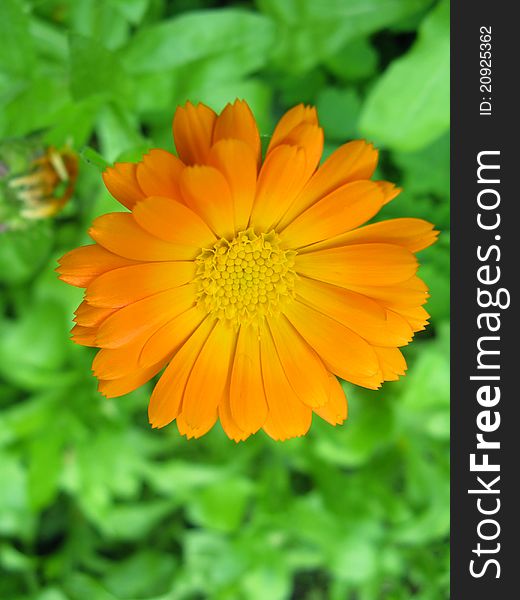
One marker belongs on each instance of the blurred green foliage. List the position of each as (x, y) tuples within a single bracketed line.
[(94, 505)]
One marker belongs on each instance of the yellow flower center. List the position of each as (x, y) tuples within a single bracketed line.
[(246, 279)]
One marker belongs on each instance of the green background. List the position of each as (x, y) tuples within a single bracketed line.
[(94, 505)]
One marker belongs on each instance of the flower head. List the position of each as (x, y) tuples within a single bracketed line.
[(36, 182), (255, 283)]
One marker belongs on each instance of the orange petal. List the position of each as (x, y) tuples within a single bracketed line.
[(359, 313), (310, 139), (335, 411), (206, 191), (158, 174), (294, 117), (392, 363), (413, 234), (173, 222), (147, 314), (281, 178), (115, 363), (344, 209), (112, 388), (236, 161), (121, 182), (352, 161), (82, 265), (166, 401), (342, 350), (410, 293), (84, 336), (229, 425), (91, 316), (194, 432), (373, 382), (210, 375), (193, 132), (416, 316), (129, 284), (170, 336), (362, 264), (119, 233), (288, 416), (237, 122), (247, 401), (390, 190), (303, 368)]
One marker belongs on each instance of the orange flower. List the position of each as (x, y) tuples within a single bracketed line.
[(252, 283)]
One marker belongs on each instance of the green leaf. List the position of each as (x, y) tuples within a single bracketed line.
[(49, 289), (51, 593), (338, 111), (295, 88), (14, 517), (94, 70), (427, 392), (23, 252), (155, 93), (126, 579), (16, 50), (12, 559), (310, 32), (271, 580), (105, 467), (33, 105), (220, 506), (79, 586), (369, 427), (92, 157), (190, 37), (26, 420), (73, 123), (50, 41), (132, 10), (430, 486), (212, 559), (34, 347), (182, 478), (354, 560), (427, 171), (46, 458), (101, 21), (409, 105), (118, 131), (132, 522), (356, 60)]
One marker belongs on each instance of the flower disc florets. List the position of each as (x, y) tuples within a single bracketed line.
[(247, 278)]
